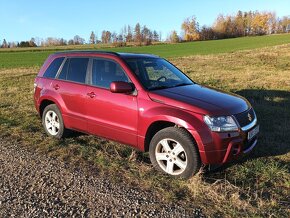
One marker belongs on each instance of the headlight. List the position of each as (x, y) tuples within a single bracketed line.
[(221, 124)]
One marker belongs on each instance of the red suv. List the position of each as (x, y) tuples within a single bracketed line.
[(146, 102)]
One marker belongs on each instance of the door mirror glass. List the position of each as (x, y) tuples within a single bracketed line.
[(121, 87)]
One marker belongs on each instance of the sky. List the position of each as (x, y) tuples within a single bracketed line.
[(21, 20)]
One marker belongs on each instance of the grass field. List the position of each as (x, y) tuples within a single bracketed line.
[(257, 185), (34, 57)]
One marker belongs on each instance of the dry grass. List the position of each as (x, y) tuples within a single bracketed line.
[(257, 185)]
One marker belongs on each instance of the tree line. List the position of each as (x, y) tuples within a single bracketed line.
[(139, 35), (249, 23)]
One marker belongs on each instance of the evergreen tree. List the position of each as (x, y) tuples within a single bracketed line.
[(174, 37), (92, 38), (4, 44)]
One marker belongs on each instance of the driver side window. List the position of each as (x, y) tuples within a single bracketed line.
[(105, 72)]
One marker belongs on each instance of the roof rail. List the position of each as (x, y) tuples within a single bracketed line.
[(87, 52)]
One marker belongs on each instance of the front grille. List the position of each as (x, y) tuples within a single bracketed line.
[(246, 117)]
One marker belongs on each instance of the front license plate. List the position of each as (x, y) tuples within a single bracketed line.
[(253, 132)]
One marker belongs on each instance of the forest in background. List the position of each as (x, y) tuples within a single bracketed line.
[(241, 24)]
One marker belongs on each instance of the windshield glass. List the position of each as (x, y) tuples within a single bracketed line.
[(157, 73)]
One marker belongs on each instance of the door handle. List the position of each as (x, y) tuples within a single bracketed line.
[(56, 87), (91, 94)]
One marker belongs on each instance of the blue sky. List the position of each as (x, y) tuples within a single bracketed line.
[(21, 20)]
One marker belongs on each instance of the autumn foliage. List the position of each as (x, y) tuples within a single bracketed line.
[(230, 26)]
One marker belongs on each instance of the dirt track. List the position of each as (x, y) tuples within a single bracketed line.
[(34, 185)]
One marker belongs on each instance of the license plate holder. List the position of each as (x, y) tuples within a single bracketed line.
[(253, 132)]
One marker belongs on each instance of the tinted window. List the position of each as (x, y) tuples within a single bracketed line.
[(104, 72), (75, 70), (53, 68)]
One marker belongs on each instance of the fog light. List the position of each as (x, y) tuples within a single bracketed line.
[(235, 149)]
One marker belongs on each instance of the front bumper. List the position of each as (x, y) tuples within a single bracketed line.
[(225, 147), (237, 149)]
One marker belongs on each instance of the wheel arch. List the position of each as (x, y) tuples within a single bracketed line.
[(43, 104), (50, 98), (169, 158), (158, 125)]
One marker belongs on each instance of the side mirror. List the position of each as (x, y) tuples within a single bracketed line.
[(121, 87)]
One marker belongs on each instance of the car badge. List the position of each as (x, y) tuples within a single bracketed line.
[(250, 117)]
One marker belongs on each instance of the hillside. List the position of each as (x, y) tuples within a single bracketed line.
[(34, 57)]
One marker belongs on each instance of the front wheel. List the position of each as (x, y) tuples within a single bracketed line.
[(173, 151)]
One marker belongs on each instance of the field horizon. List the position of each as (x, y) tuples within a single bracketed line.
[(34, 57)]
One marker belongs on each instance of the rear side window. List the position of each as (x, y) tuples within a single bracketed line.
[(51, 71), (75, 70)]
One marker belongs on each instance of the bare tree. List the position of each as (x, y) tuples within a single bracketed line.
[(129, 36), (114, 37), (78, 40), (207, 33), (62, 41), (38, 41), (124, 33), (32, 42), (106, 36), (70, 42), (137, 34), (12, 44), (146, 35)]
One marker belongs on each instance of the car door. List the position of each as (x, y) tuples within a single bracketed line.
[(71, 87), (110, 115)]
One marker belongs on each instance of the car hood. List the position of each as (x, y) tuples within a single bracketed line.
[(201, 99)]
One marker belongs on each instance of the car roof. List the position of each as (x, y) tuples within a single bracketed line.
[(119, 54)]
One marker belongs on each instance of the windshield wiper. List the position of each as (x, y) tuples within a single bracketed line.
[(167, 87), (159, 87), (182, 84)]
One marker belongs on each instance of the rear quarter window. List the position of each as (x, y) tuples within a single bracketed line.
[(74, 69), (51, 71)]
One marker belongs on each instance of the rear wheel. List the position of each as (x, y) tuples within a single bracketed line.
[(52, 121), (173, 151)]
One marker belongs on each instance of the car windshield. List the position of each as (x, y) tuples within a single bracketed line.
[(157, 73)]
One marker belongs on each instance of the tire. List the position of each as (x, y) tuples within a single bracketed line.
[(52, 122), (173, 151)]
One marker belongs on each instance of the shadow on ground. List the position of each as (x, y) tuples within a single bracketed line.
[(273, 111), (272, 108)]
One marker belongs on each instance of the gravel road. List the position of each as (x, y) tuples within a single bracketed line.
[(34, 185)]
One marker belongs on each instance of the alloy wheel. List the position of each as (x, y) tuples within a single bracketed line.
[(52, 122), (171, 156)]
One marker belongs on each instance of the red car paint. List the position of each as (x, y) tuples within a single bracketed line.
[(127, 118)]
